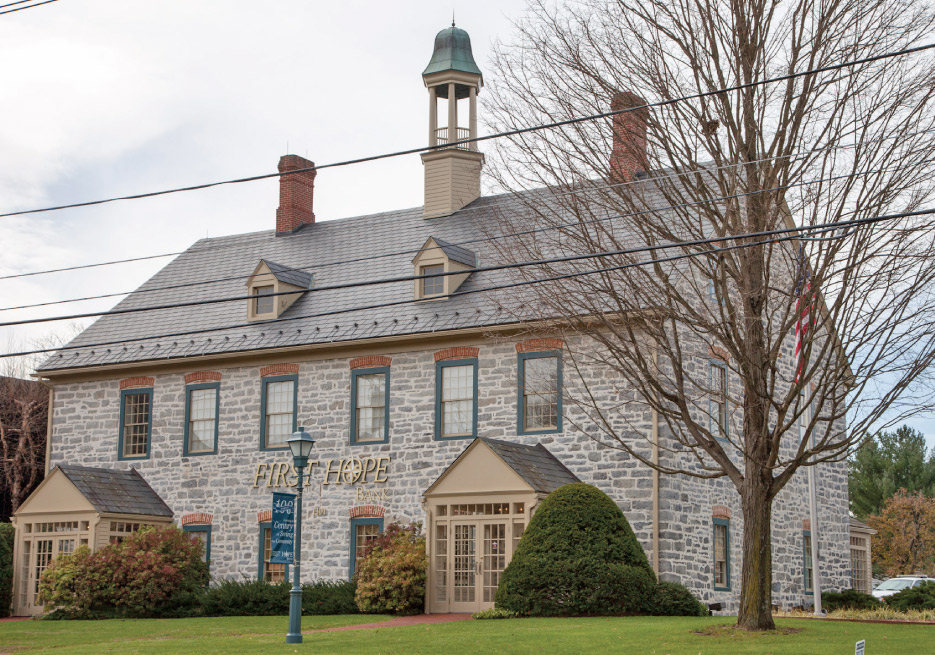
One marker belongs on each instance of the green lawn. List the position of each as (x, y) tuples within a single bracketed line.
[(636, 635)]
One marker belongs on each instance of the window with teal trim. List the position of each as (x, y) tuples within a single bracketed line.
[(807, 557), (363, 531), (717, 405), (721, 555), (539, 396), (202, 405), (268, 571), (202, 533), (456, 399), (370, 405), (136, 423), (278, 403)]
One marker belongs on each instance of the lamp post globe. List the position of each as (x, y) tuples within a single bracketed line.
[(300, 443)]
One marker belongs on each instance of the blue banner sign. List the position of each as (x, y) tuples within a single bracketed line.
[(282, 534)]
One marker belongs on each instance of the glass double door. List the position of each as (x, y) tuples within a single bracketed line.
[(478, 556)]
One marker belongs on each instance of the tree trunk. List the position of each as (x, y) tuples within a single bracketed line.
[(757, 579)]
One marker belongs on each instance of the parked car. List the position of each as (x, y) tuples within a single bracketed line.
[(897, 584)]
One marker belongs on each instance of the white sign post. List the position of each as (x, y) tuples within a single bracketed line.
[(859, 648)]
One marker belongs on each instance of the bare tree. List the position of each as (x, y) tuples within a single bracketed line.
[(24, 407), (843, 145)]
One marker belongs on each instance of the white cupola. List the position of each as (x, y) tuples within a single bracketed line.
[(452, 174)]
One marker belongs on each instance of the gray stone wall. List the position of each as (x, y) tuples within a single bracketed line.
[(85, 432)]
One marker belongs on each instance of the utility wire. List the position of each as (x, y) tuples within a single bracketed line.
[(778, 235), (498, 135), (461, 212), (19, 2), (417, 250), (10, 11), (482, 269), (79, 267)]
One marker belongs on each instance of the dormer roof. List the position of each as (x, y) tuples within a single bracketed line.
[(288, 275), (453, 252)]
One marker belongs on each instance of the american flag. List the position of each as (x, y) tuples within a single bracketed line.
[(803, 306)]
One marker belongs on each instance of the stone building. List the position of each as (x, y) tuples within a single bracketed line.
[(428, 402)]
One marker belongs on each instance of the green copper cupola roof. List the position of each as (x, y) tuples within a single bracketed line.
[(452, 52)]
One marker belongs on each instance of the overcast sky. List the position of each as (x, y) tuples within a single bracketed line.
[(102, 98), (105, 97)]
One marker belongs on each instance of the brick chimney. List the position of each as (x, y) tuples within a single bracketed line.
[(295, 195), (628, 157)]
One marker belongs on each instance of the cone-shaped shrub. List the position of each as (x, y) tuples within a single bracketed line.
[(577, 556)]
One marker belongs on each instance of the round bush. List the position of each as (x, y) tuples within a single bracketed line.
[(391, 576), (155, 572), (674, 599), (577, 556)]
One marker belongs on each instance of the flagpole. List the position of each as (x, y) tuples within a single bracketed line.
[(812, 514), (801, 330)]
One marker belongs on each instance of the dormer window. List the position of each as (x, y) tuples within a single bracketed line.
[(269, 289), (435, 259), (433, 286), (265, 301)]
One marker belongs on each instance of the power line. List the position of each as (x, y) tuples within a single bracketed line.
[(498, 135), (10, 11), (19, 2), (461, 212), (76, 268), (416, 250), (776, 235)]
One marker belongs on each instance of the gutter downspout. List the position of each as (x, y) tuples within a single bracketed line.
[(655, 461)]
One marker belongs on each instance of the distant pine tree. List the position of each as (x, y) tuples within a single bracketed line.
[(888, 462)]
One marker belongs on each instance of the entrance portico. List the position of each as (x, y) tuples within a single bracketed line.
[(476, 512)]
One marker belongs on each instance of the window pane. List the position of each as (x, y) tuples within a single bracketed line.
[(371, 407), (540, 393), (807, 543), (202, 414), (135, 424), (457, 382), (457, 400), (720, 555), (365, 534), (432, 286), (264, 303), (279, 412), (271, 572), (717, 378)]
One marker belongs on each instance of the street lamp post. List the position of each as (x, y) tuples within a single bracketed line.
[(300, 443)]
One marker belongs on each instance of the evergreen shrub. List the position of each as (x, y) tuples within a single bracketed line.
[(391, 574), (155, 572), (6, 568), (674, 599), (246, 598), (329, 597), (849, 599), (920, 597), (577, 556)]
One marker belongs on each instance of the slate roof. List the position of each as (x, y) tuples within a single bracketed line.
[(457, 253), (536, 465), (860, 525), (296, 278), (364, 248), (113, 491)]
